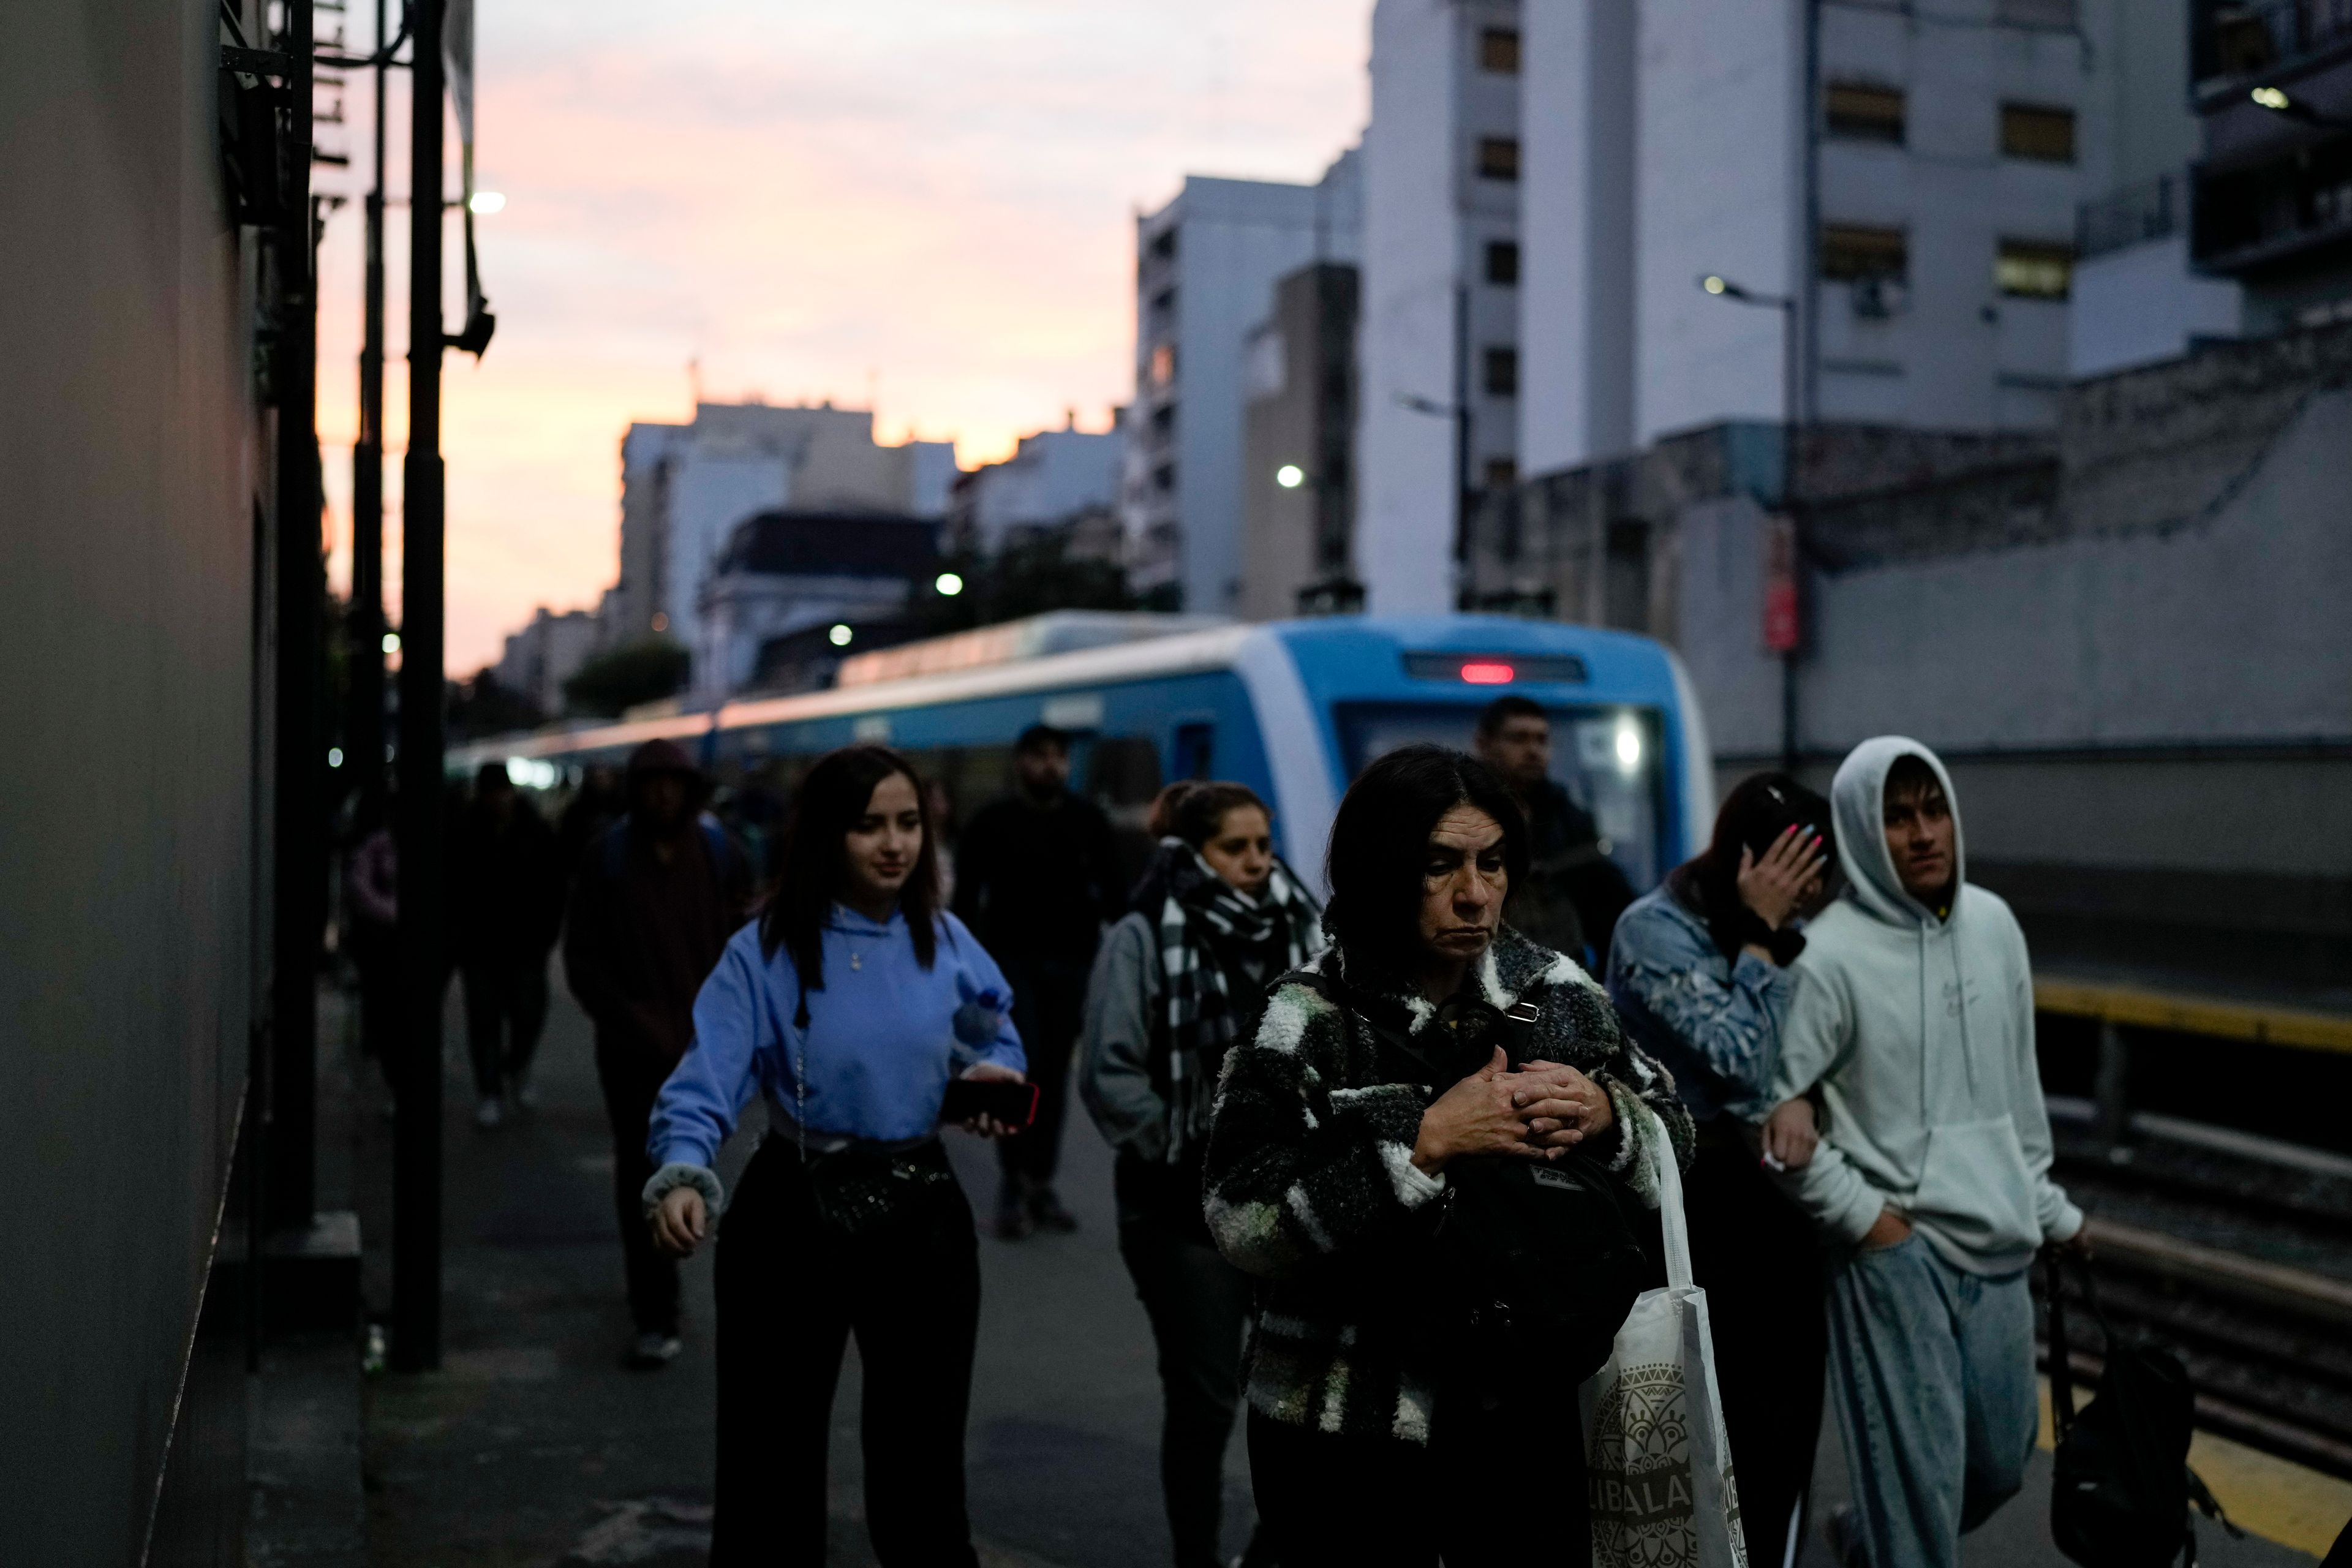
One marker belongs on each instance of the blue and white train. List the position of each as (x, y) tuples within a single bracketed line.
[(1291, 709)]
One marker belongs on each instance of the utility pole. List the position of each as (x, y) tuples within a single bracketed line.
[(300, 849), (416, 1140), (366, 722)]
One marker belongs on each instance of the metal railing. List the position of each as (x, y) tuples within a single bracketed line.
[(2133, 215)]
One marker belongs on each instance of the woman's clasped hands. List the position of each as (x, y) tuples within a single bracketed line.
[(1539, 1112)]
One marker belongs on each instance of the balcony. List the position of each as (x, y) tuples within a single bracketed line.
[(2282, 214), (2153, 209)]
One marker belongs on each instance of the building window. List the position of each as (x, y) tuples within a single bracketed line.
[(1163, 246), (1163, 478), (1164, 302), (1502, 473), (1499, 157), (1859, 113), (2043, 135), (1163, 422), (2033, 270), (1498, 51), (1502, 377), (1502, 261), (1163, 364), (1850, 253)]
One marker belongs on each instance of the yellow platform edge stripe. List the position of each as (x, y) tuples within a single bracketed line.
[(2262, 1494), (2194, 1014)]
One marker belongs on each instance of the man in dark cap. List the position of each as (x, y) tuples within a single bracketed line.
[(654, 900), (1037, 876)]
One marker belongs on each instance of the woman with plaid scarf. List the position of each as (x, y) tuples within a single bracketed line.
[(1177, 983)]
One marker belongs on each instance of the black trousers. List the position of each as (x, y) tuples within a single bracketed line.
[(1489, 1487), (1758, 1259), (506, 1008), (632, 1081), (789, 1294), (1199, 1305), (375, 953), (1049, 1004)]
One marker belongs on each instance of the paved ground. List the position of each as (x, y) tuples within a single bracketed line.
[(534, 1446)]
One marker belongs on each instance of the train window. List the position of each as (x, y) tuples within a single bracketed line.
[(1608, 759), (1196, 751), (1124, 772)]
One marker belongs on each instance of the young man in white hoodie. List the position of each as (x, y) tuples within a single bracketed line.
[(1913, 1017)]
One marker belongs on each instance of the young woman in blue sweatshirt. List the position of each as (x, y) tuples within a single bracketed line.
[(848, 1005)]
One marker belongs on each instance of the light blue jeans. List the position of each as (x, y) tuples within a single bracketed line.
[(1931, 1369)]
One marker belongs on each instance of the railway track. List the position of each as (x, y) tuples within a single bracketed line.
[(2235, 1251)]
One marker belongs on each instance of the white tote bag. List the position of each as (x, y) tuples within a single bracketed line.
[(1659, 1468)]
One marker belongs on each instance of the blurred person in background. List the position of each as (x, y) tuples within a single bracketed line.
[(1376, 1438), (655, 899), (850, 1005), (1573, 893), (1912, 1021), (940, 800), (594, 807), (1036, 877), (506, 905), (1177, 983), (1699, 969), (372, 919)]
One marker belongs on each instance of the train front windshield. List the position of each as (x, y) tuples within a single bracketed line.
[(1608, 759)]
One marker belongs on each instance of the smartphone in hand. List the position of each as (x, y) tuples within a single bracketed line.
[(1013, 1104)]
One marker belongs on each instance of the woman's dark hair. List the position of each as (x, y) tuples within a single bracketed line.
[(1193, 811), (1758, 809), (812, 856), (1379, 842)]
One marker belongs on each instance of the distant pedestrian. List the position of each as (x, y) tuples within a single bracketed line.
[(1574, 892), (1699, 972), (850, 1005), (1913, 1019), (1378, 1435), (1036, 877), (506, 905), (656, 896), (1180, 982), (371, 919), (599, 802)]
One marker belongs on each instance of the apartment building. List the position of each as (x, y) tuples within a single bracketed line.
[(1205, 269), (1440, 344)]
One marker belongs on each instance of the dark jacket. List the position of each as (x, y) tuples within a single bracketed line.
[(1037, 882), (1310, 1165), (1573, 893), (642, 932), (506, 887)]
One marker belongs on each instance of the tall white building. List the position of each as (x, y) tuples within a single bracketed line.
[(683, 489), (1205, 269), (1907, 176), (1440, 325), (1054, 478)]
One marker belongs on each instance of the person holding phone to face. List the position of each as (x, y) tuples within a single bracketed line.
[(1700, 972), (850, 1004)]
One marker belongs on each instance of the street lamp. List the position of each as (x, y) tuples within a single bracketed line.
[(2279, 101), (1290, 475), (840, 634), (487, 202), (1724, 287), (948, 584)]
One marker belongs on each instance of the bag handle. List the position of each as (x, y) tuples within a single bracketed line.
[(1675, 1228), (2062, 1363)]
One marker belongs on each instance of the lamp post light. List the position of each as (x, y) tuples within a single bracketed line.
[(1784, 633), (2281, 102)]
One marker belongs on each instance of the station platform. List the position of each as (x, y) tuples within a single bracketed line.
[(534, 1446)]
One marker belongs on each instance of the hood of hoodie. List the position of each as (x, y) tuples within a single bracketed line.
[(1858, 802)]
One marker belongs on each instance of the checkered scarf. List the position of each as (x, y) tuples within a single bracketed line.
[(1202, 916)]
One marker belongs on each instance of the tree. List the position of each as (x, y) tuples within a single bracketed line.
[(610, 683), (1028, 577), (481, 707)]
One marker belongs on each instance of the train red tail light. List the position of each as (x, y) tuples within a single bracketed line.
[(1486, 672)]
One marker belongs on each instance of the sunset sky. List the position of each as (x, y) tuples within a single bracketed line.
[(926, 204)]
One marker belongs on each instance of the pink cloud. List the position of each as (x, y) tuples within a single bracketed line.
[(925, 201)]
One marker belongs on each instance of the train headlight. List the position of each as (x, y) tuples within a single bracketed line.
[(1628, 746), (840, 634)]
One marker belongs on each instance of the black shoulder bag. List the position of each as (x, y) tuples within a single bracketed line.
[(1522, 1258), (2123, 1487)]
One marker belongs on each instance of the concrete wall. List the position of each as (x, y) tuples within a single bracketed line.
[(129, 469), (2141, 305), (1051, 478), (1577, 115)]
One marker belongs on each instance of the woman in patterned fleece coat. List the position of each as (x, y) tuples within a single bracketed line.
[(1320, 1163)]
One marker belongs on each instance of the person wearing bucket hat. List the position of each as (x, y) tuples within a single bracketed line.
[(653, 900)]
